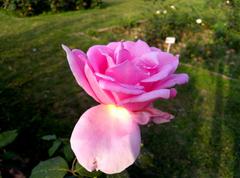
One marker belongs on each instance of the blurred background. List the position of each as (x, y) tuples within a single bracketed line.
[(40, 102)]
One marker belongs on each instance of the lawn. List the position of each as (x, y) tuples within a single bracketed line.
[(39, 96)]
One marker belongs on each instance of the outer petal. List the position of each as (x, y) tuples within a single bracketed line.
[(136, 49), (135, 106), (106, 138), (103, 96), (152, 95), (114, 87), (159, 117), (168, 59), (151, 114), (142, 117), (163, 73), (105, 77), (172, 80), (77, 60), (155, 49), (151, 58)]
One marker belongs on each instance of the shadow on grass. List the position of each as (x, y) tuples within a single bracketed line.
[(226, 119), (204, 139), (232, 121), (174, 144), (38, 94), (217, 124)]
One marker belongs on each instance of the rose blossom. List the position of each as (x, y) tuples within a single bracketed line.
[(125, 78)]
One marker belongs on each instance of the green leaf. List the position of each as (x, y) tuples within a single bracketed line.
[(52, 168), (8, 155), (83, 172), (7, 137), (49, 137), (56, 144), (68, 152), (123, 174), (145, 159)]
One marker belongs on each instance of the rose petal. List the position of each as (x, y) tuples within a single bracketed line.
[(100, 93), (152, 114), (151, 58), (113, 45), (168, 59), (108, 78), (129, 45), (130, 106), (158, 116), (160, 120), (155, 49), (172, 80), (77, 60), (97, 59), (126, 72), (105, 77), (163, 73), (149, 96), (106, 138), (173, 93), (138, 48), (142, 118), (137, 86), (110, 60), (121, 54), (135, 106), (114, 87)]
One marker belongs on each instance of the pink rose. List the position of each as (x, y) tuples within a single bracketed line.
[(125, 78)]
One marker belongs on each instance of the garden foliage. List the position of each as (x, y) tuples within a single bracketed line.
[(34, 7), (203, 33)]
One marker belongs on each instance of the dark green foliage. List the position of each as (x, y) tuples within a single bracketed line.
[(26, 7), (62, 5), (214, 41), (159, 26), (7, 137), (66, 5), (34, 7), (1, 3), (56, 167)]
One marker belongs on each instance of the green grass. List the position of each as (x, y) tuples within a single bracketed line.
[(203, 141), (39, 96)]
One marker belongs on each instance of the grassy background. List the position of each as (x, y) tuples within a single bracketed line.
[(39, 96)]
